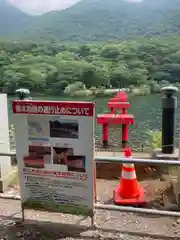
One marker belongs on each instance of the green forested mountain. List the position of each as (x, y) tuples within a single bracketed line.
[(116, 53), (104, 20), (12, 20), (94, 21)]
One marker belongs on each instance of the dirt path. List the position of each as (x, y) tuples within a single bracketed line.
[(41, 225), (46, 225)]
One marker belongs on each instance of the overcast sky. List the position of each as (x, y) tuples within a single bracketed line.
[(42, 6)]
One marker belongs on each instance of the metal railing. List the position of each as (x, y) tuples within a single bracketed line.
[(134, 161), (8, 154), (137, 161)]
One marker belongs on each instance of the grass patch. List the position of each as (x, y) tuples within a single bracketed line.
[(53, 207)]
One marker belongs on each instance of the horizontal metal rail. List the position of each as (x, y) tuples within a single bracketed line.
[(8, 154), (137, 210), (136, 161), (133, 209), (120, 160)]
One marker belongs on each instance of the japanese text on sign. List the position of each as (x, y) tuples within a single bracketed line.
[(67, 175), (52, 108)]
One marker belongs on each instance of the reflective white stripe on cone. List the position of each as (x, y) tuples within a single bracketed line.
[(128, 165), (128, 175)]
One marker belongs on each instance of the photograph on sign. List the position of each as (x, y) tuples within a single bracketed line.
[(77, 163), (60, 155), (60, 128), (55, 156), (38, 126), (38, 156), (64, 156)]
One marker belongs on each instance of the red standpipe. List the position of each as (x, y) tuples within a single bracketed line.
[(124, 135), (123, 111), (105, 135), (111, 110)]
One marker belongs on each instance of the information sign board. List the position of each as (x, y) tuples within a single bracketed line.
[(55, 153)]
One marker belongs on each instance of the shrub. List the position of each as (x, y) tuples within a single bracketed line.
[(82, 93), (155, 139), (71, 88), (141, 91)]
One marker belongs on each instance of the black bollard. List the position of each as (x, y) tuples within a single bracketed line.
[(169, 105), (23, 94)]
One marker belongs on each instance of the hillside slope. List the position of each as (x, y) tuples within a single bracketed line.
[(103, 20), (12, 20)]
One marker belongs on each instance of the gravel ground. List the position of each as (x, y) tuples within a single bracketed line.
[(110, 224)]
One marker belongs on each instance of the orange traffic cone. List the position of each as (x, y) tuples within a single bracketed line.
[(128, 192)]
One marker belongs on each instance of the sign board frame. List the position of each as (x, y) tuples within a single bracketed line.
[(55, 152)]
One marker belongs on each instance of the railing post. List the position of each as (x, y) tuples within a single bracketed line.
[(5, 161), (169, 105)]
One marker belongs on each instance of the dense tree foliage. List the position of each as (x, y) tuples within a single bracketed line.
[(49, 67)]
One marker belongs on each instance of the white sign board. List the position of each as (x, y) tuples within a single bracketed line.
[(55, 153)]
